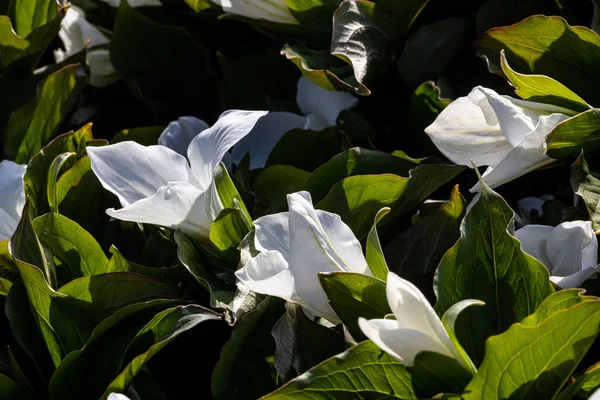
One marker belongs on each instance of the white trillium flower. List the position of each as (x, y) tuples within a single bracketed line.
[(271, 10), (417, 327), (117, 396), (569, 250), (157, 185), (75, 32), (504, 133), (12, 190), (527, 205), (295, 246)]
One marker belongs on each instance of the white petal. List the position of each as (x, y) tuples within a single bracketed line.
[(271, 232), (273, 10), (575, 280), (208, 148), (403, 344), (268, 273), (133, 172), (313, 99), (12, 197), (534, 239), (75, 31), (527, 156), (527, 204), (595, 395), (179, 134), (117, 396), (462, 134), (264, 136), (179, 205), (572, 247), (101, 70)]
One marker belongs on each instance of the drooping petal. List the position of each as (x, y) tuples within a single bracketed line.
[(527, 156), (403, 344), (264, 136), (572, 247), (101, 70), (134, 172), (75, 31), (208, 148), (533, 240), (274, 10), (268, 273), (313, 99), (12, 197), (462, 134), (575, 280), (179, 134), (272, 232)]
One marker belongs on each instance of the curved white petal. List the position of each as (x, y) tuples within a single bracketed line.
[(272, 232), (208, 148), (12, 197), (575, 280), (595, 395), (134, 172), (178, 205), (462, 134), (273, 10), (528, 204), (313, 99), (268, 273), (117, 396), (179, 134), (101, 70), (534, 239), (527, 156), (572, 247), (75, 31), (403, 344), (264, 136)]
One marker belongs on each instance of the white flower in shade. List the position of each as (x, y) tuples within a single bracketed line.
[(271, 10), (117, 396), (527, 205), (295, 246), (504, 133), (135, 3), (417, 327), (157, 185), (12, 200), (569, 250), (75, 32)]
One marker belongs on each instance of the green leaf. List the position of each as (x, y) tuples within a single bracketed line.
[(118, 263), (549, 46), (228, 230), (30, 127), (313, 12), (242, 369), (570, 137), (71, 244), (487, 264), (27, 15), (534, 359), (584, 386), (163, 329), (542, 89), (273, 184), (146, 136), (434, 373), (11, 390), (300, 343), (449, 320), (403, 13), (586, 185), (364, 371), (353, 295), (374, 252), (71, 177), (429, 50), (53, 172)]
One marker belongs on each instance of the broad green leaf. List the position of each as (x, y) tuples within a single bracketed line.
[(429, 50), (71, 177), (53, 172), (355, 161), (29, 128), (362, 372), (586, 185), (71, 244), (228, 230), (434, 373), (28, 15), (11, 390), (570, 137), (118, 263), (535, 358), (426, 100), (364, 37), (163, 329), (354, 295), (146, 136), (487, 264), (36, 177), (584, 386), (273, 184), (313, 12), (374, 252), (549, 46), (542, 89), (403, 13), (8, 270), (228, 193), (449, 320), (416, 252), (242, 369)]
